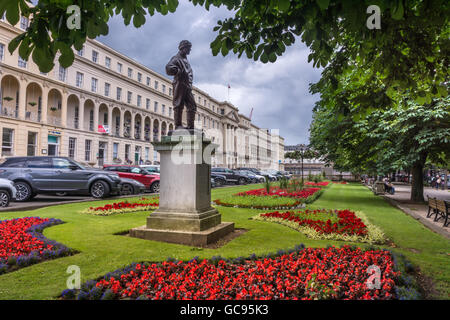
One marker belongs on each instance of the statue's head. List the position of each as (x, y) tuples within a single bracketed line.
[(185, 46)]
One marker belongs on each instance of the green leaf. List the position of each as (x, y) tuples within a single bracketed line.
[(283, 5), (323, 4), (397, 10)]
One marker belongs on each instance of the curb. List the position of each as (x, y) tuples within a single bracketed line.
[(425, 221)]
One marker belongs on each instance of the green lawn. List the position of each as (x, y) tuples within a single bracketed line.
[(101, 251)]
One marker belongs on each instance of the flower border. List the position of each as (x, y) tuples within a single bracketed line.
[(374, 234), (297, 205), (406, 287), (22, 261)]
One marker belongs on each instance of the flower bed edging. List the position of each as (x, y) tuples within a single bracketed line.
[(121, 207), (299, 273), (56, 250), (374, 234)]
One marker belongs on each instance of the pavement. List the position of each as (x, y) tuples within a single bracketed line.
[(401, 200)]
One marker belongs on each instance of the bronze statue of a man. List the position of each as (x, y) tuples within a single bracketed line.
[(180, 68)]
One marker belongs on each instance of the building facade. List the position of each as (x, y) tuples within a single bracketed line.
[(107, 108)]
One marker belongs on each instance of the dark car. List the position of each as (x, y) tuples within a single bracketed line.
[(231, 175), (131, 186), (249, 174), (150, 180), (52, 175), (219, 180)]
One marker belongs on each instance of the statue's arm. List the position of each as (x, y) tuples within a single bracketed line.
[(172, 67)]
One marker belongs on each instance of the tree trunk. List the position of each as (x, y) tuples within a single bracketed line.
[(417, 180)]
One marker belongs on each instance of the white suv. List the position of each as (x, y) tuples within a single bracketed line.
[(7, 192)]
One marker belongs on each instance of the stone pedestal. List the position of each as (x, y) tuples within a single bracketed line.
[(185, 214)]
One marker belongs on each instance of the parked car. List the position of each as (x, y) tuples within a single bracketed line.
[(152, 168), (250, 175), (131, 186), (286, 174), (52, 175), (7, 192), (219, 179), (269, 175), (257, 178), (150, 180), (231, 175), (213, 183)]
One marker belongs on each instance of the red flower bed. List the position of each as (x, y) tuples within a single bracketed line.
[(348, 222), (275, 191), (22, 243), (14, 239), (317, 184), (322, 273), (123, 205)]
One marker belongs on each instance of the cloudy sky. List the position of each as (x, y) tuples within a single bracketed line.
[(277, 92)]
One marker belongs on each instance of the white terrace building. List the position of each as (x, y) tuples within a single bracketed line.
[(107, 108)]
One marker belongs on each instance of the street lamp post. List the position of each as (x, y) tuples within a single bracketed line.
[(302, 150)]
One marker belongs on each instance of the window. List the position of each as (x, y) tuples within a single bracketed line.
[(2, 51), (108, 62), (130, 72), (170, 111), (115, 150), (61, 163), (164, 88), (7, 142), (72, 146), (129, 96), (94, 56), (139, 77), (163, 109), (156, 107), (31, 143), (147, 153), (139, 99), (119, 67), (79, 80), (107, 88), (127, 152), (94, 83), (43, 163), (87, 150), (148, 81), (170, 91), (62, 74), (22, 63), (156, 85), (81, 52), (119, 93), (23, 23), (147, 104)]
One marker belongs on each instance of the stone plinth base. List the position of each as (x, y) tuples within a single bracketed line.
[(191, 238)]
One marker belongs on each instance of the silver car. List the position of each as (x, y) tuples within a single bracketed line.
[(7, 192)]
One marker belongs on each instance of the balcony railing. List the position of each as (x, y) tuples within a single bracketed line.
[(8, 112), (54, 121), (33, 116)]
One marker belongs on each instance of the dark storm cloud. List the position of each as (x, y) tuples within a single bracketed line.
[(277, 92)]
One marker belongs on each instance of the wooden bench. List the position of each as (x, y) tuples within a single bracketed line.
[(432, 207), (440, 208)]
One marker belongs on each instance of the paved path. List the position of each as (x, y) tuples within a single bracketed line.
[(401, 199)]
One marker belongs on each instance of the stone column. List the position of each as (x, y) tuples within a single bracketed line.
[(64, 109), (22, 98), (142, 127), (110, 119), (133, 119), (96, 111), (44, 107), (81, 125), (122, 121)]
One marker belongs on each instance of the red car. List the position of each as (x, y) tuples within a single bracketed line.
[(151, 181)]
